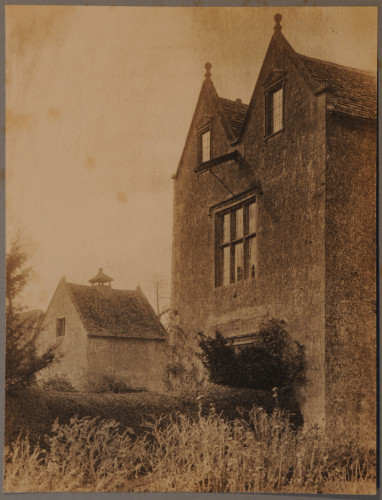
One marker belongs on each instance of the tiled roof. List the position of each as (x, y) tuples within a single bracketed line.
[(354, 91), (115, 313), (235, 112)]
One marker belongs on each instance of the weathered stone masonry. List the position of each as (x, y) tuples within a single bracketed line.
[(105, 332), (314, 183)]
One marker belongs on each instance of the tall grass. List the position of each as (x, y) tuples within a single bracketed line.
[(258, 453)]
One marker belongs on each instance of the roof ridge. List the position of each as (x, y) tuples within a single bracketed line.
[(234, 101), (340, 66), (93, 287)]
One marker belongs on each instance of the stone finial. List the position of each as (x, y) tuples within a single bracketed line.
[(277, 19), (208, 70)]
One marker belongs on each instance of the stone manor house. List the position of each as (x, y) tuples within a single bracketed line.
[(275, 217)]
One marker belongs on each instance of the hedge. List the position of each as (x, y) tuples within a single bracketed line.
[(35, 411)]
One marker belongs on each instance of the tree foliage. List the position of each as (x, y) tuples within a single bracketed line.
[(22, 361), (272, 359)]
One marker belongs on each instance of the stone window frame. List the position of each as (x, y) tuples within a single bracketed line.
[(230, 207), (60, 327), (269, 90), (240, 343), (201, 131)]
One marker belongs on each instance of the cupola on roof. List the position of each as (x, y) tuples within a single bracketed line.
[(101, 278)]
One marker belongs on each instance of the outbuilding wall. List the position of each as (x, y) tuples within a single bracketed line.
[(140, 363), (72, 347)]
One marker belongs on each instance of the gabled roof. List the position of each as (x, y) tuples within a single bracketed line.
[(235, 112), (354, 91), (115, 313), (230, 113)]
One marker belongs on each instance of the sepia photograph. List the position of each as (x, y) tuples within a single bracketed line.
[(191, 249)]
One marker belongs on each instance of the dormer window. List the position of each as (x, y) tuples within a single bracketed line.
[(274, 90), (275, 111), (206, 145)]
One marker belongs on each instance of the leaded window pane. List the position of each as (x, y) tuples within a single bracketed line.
[(277, 110), (239, 222), (226, 266), (226, 228), (239, 262), (251, 257), (206, 146), (252, 218)]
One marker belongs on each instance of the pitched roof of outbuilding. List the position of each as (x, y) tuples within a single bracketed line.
[(235, 112), (116, 313), (354, 91)]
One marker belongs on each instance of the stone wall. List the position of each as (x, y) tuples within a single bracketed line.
[(139, 363), (289, 170), (72, 346), (350, 293), (315, 186)]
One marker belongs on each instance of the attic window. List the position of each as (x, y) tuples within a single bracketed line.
[(60, 327), (236, 243), (274, 109), (204, 152)]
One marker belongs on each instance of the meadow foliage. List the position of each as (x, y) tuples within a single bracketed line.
[(257, 452)]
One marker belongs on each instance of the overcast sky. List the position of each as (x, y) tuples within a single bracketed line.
[(99, 101)]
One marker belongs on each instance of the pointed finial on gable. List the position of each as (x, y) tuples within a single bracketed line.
[(208, 70), (277, 19)]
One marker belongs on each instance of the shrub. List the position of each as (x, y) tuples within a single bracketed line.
[(34, 412), (58, 383), (110, 383), (272, 359), (26, 412)]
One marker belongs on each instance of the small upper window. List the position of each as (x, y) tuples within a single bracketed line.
[(206, 145), (60, 327), (274, 101)]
